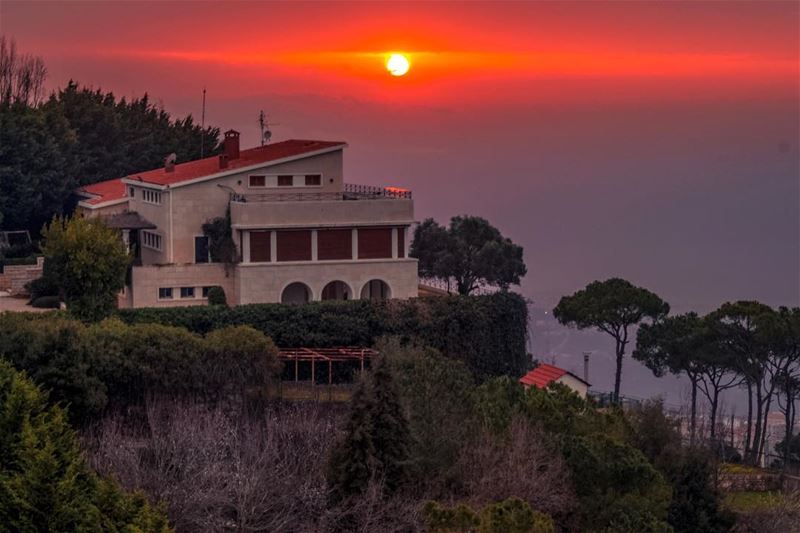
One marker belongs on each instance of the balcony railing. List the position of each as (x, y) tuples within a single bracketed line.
[(351, 191)]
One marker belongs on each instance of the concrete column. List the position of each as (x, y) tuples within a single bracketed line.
[(273, 246), (355, 243), (245, 246), (394, 243), (313, 245)]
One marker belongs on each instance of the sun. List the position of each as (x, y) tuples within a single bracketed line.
[(397, 65)]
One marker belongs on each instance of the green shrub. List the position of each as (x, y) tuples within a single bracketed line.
[(91, 366), (44, 286), (216, 296), (47, 302), (488, 333), (45, 484), (509, 516)]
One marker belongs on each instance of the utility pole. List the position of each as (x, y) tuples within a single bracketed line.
[(203, 126), (586, 366)]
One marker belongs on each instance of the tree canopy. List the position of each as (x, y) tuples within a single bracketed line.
[(471, 251), (77, 136), (89, 261), (613, 307)]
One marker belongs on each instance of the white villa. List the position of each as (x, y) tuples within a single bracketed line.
[(301, 232)]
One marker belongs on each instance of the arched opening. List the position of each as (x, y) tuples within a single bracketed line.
[(376, 289), (336, 290), (296, 293)]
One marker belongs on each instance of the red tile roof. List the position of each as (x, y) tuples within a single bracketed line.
[(106, 191), (541, 376), (210, 165)]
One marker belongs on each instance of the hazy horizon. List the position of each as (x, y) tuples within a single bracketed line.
[(654, 142)]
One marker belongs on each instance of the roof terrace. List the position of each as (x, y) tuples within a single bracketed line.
[(351, 191)]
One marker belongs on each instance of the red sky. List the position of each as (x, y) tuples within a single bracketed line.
[(656, 141)]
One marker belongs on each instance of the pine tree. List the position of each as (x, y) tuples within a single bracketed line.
[(351, 463), (391, 437), (377, 441), (45, 484)]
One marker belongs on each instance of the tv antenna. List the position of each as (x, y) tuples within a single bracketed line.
[(265, 125)]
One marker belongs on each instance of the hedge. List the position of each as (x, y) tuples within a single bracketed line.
[(487, 332)]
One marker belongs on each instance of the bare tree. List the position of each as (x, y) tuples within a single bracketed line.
[(522, 464), (21, 76)]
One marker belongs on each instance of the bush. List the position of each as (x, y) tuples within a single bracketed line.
[(488, 333), (89, 367), (45, 484), (44, 286), (216, 296), (47, 302), (509, 516)]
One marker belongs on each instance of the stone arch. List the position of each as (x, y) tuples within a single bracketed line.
[(376, 289), (296, 293)]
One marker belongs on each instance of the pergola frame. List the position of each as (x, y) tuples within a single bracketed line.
[(329, 355)]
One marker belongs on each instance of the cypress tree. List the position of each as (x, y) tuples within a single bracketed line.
[(391, 437), (377, 440)]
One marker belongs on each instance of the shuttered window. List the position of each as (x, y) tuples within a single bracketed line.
[(260, 246), (374, 243), (294, 245), (334, 244), (401, 242)]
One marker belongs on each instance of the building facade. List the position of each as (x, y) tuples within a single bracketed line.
[(301, 233)]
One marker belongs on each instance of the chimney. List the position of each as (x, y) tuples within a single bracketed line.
[(169, 163), (586, 366), (232, 144), (223, 160)]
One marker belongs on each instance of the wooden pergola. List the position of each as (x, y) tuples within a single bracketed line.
[(325, 355)]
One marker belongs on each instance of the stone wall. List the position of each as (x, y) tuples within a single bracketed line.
[(15, 277)]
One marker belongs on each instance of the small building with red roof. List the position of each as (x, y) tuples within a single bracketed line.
[(544, 374), (300, 232)]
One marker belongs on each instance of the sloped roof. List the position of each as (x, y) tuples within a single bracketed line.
[(102, 192), (209, 166), (541, 376), (544, 374), (110, 190)]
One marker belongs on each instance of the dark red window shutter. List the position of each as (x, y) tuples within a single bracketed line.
[(401, 242), (334, 244), (294, 245), (374, 243), (260, 246)]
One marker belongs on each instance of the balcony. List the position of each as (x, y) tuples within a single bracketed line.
[(356, 205), (351, 191)]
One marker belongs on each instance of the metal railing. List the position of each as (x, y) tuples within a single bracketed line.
[(351, 191)]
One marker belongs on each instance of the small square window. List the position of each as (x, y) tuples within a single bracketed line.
[(313, 180), (187, 292), (285, 181), (258, 181), (165, 293), (205, 291)]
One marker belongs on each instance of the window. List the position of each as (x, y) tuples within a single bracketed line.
[(374, 243), (201, 252), (334, 244), (151, 197), (258, 181), (313, 180), (165, 293), (205, 291), (260, 246), (151, 240), (294, 245), (187, 292), (285, 181), (131, 191)]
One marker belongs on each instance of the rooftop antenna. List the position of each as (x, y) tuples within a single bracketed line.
[(264, 125), (203, 126)]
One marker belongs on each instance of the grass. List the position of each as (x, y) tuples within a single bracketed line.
[(751, 501), (304, 391), (735, 468)]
